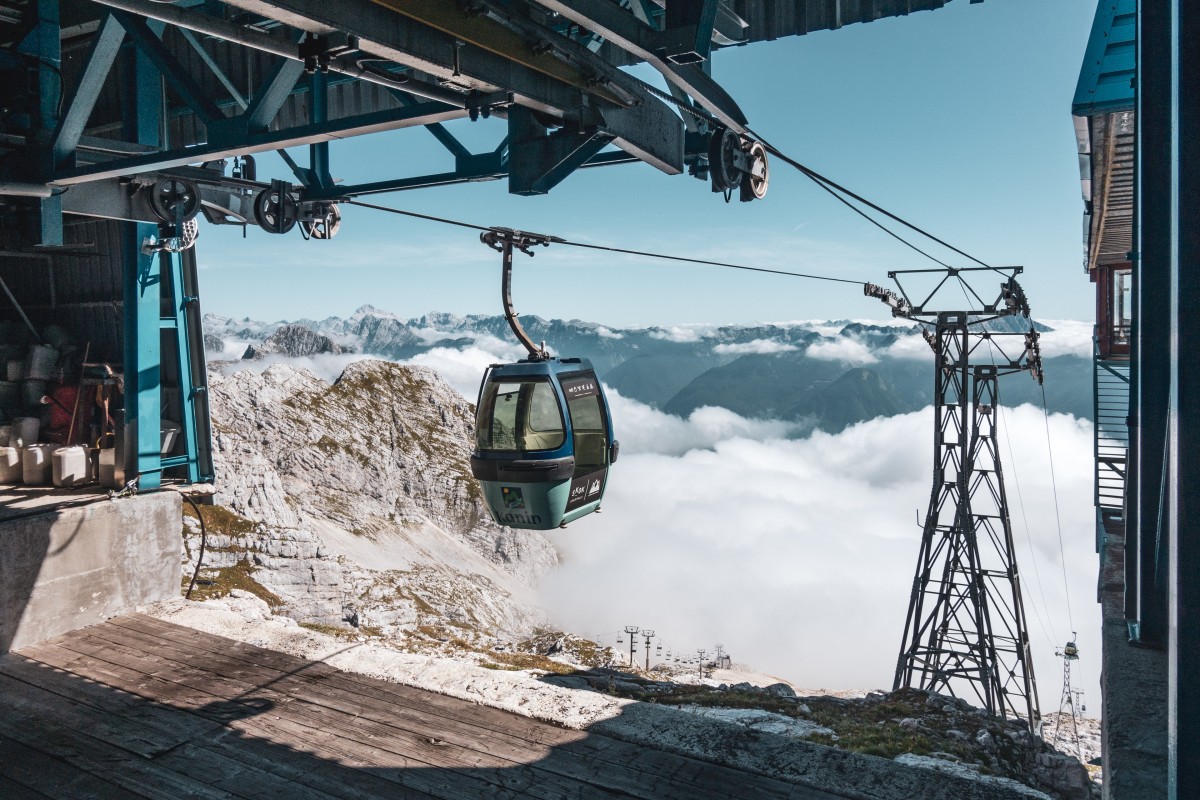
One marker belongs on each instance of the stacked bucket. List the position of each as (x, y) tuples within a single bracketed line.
[(31, 395)]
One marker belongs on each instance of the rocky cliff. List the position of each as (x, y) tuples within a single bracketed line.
[(358, 502), (294, 341)]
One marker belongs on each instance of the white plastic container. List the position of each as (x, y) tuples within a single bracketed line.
[(36, 469), (25, 431), (16, 369), (70, 466), (108, 468), (43, 362), (10, 465)]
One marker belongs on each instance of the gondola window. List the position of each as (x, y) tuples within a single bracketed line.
[(517, 416)]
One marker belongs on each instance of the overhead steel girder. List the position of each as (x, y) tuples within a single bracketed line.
[(654, 133), (473, 169), (627, 32), (276, 43), (539, 161), (100, 59), (488, 34), (392, 119), (165, 62)]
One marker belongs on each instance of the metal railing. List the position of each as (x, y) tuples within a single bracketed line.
[(1110, 388)]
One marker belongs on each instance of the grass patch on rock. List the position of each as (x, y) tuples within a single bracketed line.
[(220, 520), (220, 582)]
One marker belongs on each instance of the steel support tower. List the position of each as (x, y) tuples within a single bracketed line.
[(966, 633)]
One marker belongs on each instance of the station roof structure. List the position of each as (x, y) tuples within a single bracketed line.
[(247, 76), (1104, 129)]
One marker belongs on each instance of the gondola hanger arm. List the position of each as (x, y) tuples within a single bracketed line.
[(503, 241)]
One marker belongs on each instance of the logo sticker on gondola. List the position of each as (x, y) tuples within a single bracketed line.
[(585, 489), (512, 497), (575, 388)]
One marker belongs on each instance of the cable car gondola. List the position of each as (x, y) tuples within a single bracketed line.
[(543, 432)]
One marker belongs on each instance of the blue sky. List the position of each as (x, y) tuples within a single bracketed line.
[(957, 119)]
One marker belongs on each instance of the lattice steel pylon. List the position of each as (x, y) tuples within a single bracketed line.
[(1067, 700), (966, 626)]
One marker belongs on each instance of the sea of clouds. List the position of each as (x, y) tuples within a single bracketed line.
[(798, 553), (797, 550)]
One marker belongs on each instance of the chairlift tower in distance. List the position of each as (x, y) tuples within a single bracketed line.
[(632, 630), (966, 632)]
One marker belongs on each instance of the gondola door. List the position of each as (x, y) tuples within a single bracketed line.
[(592, 437)]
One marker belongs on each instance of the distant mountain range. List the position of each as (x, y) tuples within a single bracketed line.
[(831, 374)]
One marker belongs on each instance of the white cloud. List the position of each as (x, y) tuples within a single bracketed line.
[(1069, 338), (642, 429), (607, 333), (910, 347), (842, 348), (463, 369), (755, 346), (684, 334), (798, 555)]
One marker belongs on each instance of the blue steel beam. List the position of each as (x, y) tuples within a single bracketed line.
[(214, 67), (447, 139), (303, 176), (99, 62), (166, 63), (271, 96), (318, 106), (654, 132), (392, 119), (143, 370), (180, 330), (42, 42), (142, 278)]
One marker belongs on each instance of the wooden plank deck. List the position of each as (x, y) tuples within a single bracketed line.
[(141, 708)]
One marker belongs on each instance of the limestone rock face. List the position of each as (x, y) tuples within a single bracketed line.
[(373, 469), (294, 341), (378, 331)]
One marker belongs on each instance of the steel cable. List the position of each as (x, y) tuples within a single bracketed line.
[(611, 249)]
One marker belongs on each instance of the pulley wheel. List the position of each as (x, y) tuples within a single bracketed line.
[(324, 226), (754, 182), (723, 147), (276, 211), (172, 199)]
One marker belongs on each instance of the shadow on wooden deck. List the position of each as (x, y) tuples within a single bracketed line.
[(141, 708)]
